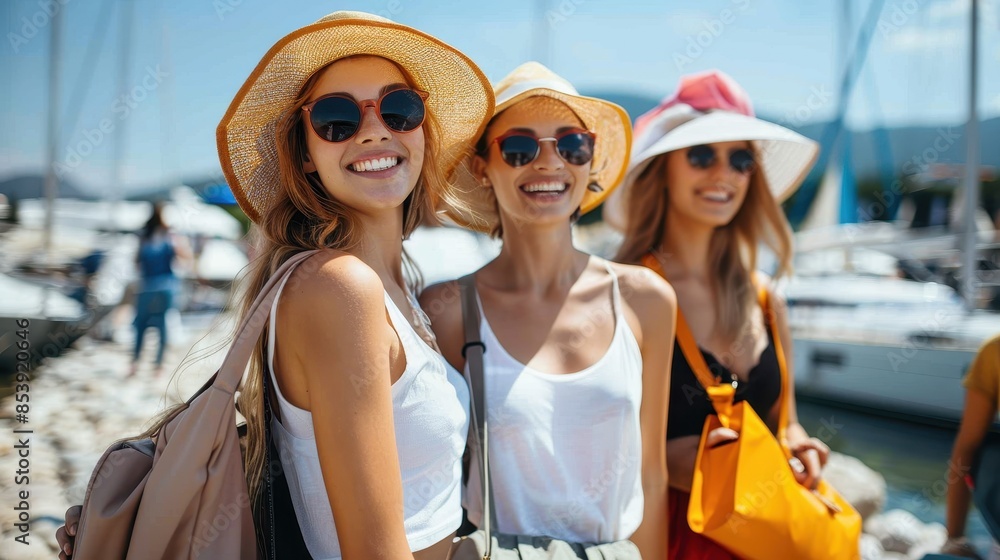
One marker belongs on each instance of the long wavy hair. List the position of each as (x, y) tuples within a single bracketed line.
[(304, 217), (733, 249)]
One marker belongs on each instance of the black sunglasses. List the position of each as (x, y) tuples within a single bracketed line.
[(518, 148), (703, 157), (336, 117)]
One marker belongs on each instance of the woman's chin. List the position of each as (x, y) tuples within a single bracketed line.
[(709, 219), (378, 199)]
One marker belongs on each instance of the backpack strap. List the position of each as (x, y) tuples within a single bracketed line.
[(473, 351)]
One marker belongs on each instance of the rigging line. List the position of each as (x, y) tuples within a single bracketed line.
[(831, 131), (883, 150), (86, 74)]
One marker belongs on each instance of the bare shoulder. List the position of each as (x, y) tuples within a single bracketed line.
[(333, 287), (651, 300), (644, 289), (442, 303)]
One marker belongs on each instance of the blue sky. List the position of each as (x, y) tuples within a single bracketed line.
[(187, 58)]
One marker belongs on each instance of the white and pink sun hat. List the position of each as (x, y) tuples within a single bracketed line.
[(711, 107)]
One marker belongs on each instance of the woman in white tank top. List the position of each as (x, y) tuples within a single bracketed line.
[(576, 371), (370, 422), (335, 143)]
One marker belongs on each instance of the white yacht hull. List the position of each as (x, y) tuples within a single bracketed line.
[(906, 380)]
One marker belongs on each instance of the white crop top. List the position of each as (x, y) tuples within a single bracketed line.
[(430, 404), (565, 449)]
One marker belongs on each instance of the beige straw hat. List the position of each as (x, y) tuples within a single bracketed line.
[(608, 121), (460, 95)]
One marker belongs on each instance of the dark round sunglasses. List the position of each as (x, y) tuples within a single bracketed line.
[(337, 118), (518, 148), (703, 157)]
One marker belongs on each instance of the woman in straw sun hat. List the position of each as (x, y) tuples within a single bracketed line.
[(575, 369), (703, 189), (340, 142)]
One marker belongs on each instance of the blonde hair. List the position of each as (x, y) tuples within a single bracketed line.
[(733, 249), (304, 217)]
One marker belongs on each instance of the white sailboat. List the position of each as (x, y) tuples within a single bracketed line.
[(866, 337)]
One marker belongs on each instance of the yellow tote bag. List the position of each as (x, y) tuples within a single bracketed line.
[(744, 495)]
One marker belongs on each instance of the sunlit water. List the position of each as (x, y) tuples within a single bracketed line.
[(913, 458)]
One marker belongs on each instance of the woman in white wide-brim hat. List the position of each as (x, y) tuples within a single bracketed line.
[(340, 141), (702, 191), (575, 376)]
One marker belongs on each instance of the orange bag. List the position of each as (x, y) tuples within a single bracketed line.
[(744, 494)]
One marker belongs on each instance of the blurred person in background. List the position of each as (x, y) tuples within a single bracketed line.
[(982, 400), (157, 286)]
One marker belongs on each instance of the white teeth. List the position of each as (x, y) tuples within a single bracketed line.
[(378, 164), (551, 186), (716, 196)]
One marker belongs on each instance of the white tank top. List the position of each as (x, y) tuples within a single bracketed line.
[(565, 449), (430, 404)]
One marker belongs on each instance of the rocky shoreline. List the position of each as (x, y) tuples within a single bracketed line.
[(80, 403)]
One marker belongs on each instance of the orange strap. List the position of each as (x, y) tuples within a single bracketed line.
[(695, 359)]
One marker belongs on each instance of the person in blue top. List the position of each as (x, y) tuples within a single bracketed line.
[(158, 283)]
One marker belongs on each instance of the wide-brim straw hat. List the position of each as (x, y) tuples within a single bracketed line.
[(461, 98), (608, 121), (711, 107)]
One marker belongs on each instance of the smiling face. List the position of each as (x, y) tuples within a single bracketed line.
[(711, 196), (377, 168), (546, 190)]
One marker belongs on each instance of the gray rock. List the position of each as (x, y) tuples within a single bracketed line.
[(897, 530), (932, 538), (861, 486), (871, 547)]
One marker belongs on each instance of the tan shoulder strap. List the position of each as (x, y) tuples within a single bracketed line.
[(473, 351)]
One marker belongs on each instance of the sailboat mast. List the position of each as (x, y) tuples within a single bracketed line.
[(540, 50), (970, 257), (118, 146), (52, 133)]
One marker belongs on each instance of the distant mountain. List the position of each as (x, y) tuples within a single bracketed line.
[(203, 185), (915, 145), (33, 186)]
